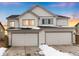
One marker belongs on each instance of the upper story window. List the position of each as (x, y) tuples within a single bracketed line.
[(28, 22), (47, 21), (25, 22), (12, 24), (43, 21)]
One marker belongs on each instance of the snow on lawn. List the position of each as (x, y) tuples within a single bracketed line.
[(49, 51), (2, 50)]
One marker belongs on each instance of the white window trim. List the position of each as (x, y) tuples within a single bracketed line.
[(46, 21)]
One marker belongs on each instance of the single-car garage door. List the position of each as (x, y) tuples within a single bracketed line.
[(27, 39), (58, 38)]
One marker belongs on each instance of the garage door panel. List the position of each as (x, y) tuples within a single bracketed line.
[(16, 40), (31, 40), (24, 39), (58, 38)]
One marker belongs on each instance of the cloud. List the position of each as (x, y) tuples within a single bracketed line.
[(63, 4), (10, 3), (72, 15)]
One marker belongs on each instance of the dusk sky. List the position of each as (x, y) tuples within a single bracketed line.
[(61, 8)]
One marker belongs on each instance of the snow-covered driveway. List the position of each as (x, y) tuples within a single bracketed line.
[(2, 50), (50, 51), (23, 51), (68, 49)]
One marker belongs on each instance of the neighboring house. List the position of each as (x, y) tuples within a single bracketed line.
[(77, 28), (2, 31), (37, 26), (77, 33)]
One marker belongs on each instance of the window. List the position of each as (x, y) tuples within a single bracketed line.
[(51, 21), (43, 21), (29, 22), (47, 21), (25, 22), (12, 24)]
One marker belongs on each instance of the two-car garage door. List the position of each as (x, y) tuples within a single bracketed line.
[(33, 39), (58, 38), (27, 39)]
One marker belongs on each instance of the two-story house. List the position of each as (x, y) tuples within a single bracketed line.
[(2, 31), (77, 28), (37, 26), (77, 33)]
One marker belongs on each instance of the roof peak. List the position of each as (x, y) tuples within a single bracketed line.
[(30, 10)]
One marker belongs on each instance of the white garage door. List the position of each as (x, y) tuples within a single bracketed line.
[(58, 38), (25, 39)]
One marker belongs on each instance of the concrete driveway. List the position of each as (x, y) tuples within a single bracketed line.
[(68, 49), (21, 51), (24, 51)]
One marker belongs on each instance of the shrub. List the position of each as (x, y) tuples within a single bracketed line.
[(28, 54), (5, 40)]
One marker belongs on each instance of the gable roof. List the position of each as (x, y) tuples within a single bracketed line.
[(30, 10), (62, 16), (16, 16), (2, 26), (13, 16)]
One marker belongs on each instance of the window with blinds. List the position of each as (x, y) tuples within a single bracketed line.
[(28, 22)]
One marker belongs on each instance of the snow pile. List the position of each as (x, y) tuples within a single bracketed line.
[(49, 51), (35, 28), (2, 50)]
